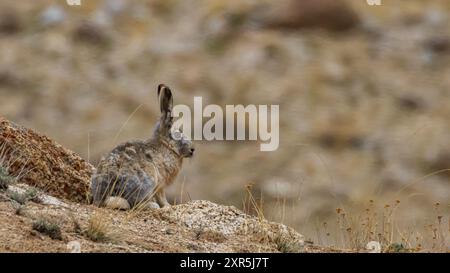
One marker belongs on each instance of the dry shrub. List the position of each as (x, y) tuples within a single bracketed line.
[(99, 229), (48, 227)]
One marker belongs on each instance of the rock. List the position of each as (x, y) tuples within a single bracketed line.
[(441, 162), (114, 6), (74, 247), (43, 198), (39, 161), (279, 187), (333, 15), (373, 247), (225, 221), (438, 44), (10, 79), (435, 17), (10, 22), (410, 103), (117, 203), (105, 15), (52, 15), (91, 33)]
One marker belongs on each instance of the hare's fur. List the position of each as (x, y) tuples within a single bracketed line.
[(137, 172)]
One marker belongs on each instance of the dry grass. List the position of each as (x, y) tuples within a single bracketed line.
[(48, 227), (263, 230), (99, 229), (8, 157), (209, 235), (354, 228), (19, 209), (285, 245), (5, 178), (18, 197), (75, 223), (251, 205), (30, 194)]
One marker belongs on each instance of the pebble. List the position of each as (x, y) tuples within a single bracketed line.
[(52, 15)]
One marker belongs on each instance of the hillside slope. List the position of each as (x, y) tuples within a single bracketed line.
[(197, 226), (39, 161)]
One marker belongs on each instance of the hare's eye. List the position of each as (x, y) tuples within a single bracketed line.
[(176, 135)]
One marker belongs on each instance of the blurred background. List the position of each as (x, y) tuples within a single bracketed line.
[(364, 95)]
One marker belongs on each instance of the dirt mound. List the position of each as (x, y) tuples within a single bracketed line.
[(41, 162), (228, 221), (197, 226)]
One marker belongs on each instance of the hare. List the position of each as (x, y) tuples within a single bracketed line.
[(137, 172)]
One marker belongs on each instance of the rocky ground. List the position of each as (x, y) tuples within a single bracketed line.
[(197, 226)]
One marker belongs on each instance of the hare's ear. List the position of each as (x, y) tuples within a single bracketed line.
[(165, 104), (165, 99)]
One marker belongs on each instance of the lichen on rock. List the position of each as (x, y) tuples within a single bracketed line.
[(229, 221), (38, 161)]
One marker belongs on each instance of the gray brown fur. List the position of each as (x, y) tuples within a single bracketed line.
[(140, 170)]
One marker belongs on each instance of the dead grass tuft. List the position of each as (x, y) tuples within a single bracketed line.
[(48, 227), (210, 235), (31, 194), (99, 229), (5, 178)]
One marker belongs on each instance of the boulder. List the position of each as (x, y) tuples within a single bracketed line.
[(332, 15), (36, 160)]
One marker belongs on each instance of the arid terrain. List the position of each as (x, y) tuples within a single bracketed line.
[(197, 226), (364, 96)]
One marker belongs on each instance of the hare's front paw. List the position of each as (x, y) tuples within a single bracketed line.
[(161, 199), (165, 205), (115, 202)]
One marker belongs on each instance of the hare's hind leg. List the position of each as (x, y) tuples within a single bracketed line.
[(115, 202)]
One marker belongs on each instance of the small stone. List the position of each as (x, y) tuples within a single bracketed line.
[(91, 33), (170, 231), (74, 247), (153, 205), (439, 44), (373, 247), (52, 15)]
